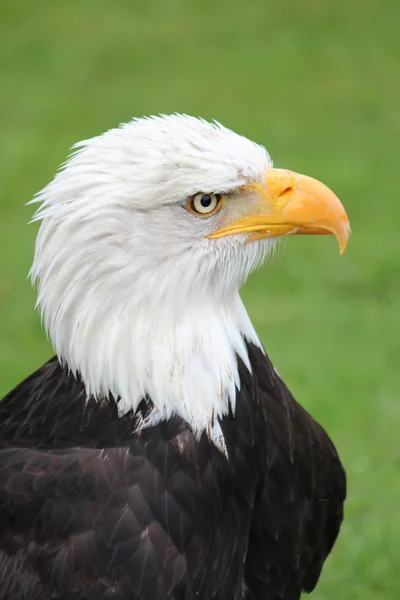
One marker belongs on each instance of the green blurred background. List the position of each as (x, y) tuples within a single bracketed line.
[(317, 82)]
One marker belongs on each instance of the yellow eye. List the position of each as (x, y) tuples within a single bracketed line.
[(204, 204)]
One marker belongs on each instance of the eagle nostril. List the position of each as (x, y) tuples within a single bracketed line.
[(288, 189)]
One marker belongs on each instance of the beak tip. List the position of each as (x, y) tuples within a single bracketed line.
[(343, 237)]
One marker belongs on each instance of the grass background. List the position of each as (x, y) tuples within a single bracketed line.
[(317, 82)]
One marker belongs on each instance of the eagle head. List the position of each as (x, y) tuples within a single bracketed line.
[(147, 233)]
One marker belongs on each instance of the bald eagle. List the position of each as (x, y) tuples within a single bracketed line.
[(159, 455)]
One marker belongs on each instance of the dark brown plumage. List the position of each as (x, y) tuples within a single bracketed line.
[(90, 508)]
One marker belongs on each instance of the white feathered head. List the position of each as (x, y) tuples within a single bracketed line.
[(148, 232)]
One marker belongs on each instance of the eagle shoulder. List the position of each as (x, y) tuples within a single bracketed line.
[(298, 506)]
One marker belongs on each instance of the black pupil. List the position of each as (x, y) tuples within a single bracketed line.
[(205, 200)]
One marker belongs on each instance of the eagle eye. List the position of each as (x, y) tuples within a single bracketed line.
[(204, 204)]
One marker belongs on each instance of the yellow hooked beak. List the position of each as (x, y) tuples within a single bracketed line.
[(289, 203)]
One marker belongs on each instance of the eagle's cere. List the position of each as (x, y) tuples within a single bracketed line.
[(159, 455)]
